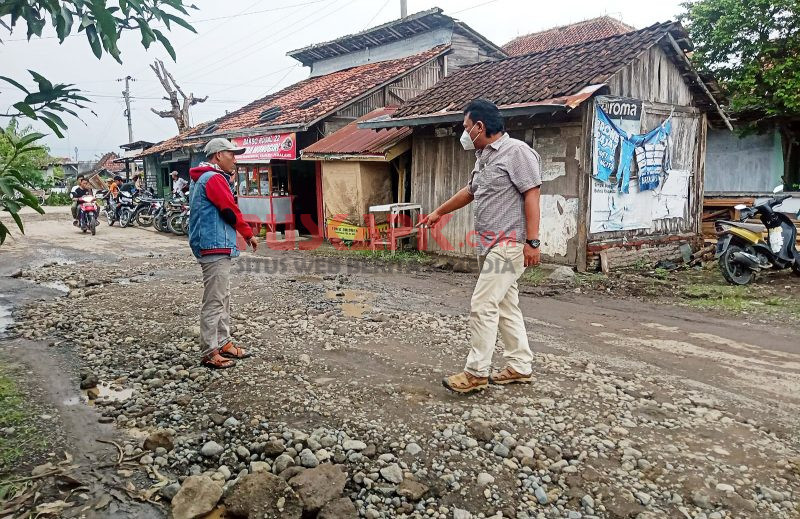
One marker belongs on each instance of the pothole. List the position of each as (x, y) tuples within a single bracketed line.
[(5, 318)]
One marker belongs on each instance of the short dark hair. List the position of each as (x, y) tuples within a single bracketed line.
[(486, 112), (79, 177)]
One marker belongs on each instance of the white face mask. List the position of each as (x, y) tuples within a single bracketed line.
[(466, 140)]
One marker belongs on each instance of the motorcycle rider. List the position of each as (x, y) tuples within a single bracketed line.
[(74, 208), (77, 193)]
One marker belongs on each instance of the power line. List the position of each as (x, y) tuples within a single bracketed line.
[(475, 6), (202, 20), (269, 90), (274, 72), (191, 68), (376, 15), (267, 39)]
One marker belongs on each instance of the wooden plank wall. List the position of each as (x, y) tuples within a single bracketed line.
[(465, 51), (440, 167), (654, 79), (401, 90)]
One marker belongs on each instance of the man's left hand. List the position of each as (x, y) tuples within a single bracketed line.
[(532, 256)]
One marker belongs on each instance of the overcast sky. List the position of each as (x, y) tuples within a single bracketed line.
[(239, 55)]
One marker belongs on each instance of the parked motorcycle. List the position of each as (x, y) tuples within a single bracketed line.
[(144, 215), (177, 222), (741, 249), (87, 213)]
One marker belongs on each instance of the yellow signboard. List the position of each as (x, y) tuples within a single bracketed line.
[(349, 232)]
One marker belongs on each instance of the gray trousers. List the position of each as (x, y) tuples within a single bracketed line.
[(215, 314)]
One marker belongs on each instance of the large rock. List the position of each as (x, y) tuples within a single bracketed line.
[(319, 486), (211, 449), (339, 509), (393, 473), (197, 497), (480, 430), (263, 496), (158, 439), (412, 490), (562, 275)]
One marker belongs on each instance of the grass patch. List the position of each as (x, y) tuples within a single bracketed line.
[(19, 434), (534, 276), (401, 257), (591, 279), (738, 299)]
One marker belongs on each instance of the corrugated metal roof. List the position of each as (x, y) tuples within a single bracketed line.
[(352, 140)]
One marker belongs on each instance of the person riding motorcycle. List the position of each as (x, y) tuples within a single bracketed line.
[(74, 208), (82, 189)]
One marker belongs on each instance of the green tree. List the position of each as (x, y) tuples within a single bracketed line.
[(753, 48), (103, 22), (32, 164)]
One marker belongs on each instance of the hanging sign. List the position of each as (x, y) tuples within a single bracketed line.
[(264, 148)]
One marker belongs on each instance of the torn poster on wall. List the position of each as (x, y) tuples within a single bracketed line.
[(618, 202), (670, 201), (611, 141), (611, 210)]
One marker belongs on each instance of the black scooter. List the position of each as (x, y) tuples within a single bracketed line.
[(741, 249)]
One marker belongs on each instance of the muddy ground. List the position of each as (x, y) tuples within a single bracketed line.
[(657, 394)]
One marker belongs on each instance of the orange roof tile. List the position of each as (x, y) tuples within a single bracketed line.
[(331, 91), (581, 32)]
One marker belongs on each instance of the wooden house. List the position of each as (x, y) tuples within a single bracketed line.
[(549, 100)]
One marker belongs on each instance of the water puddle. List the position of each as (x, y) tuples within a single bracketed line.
[(105, 392), (56, 285), (5, 318), (50, 258), (353, 303)]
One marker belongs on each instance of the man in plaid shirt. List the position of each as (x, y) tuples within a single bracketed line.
[(505, 188)]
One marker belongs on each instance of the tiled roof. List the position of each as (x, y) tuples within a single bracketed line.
[(174, 143), (581, 32), (351, 140), (536, 77), (107, 163), (332, 91)]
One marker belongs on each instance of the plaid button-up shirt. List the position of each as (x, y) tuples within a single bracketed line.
[(504, 170)]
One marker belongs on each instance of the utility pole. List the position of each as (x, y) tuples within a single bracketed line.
[(403, 8), (127, 94)]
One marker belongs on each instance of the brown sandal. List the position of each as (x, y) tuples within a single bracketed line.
[(510, 376), (232, 351), (217, 361), (465, 383)]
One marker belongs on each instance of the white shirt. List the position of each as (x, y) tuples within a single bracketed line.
[(178, 185)]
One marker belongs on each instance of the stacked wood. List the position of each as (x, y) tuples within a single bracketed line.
[(703, 255)]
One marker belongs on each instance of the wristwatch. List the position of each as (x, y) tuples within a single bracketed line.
[(533, 243)]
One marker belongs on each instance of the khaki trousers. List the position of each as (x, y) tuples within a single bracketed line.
[(215, 314), (495, 305)]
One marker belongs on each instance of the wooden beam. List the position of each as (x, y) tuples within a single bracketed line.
[(699, 80)]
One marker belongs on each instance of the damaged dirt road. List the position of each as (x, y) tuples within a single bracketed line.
[(638, 409)]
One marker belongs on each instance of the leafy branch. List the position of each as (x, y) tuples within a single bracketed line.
[(14, 193)]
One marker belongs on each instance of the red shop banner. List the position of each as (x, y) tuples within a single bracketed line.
[(267, 147)]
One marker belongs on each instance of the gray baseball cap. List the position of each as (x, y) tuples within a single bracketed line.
[(219, 144)]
